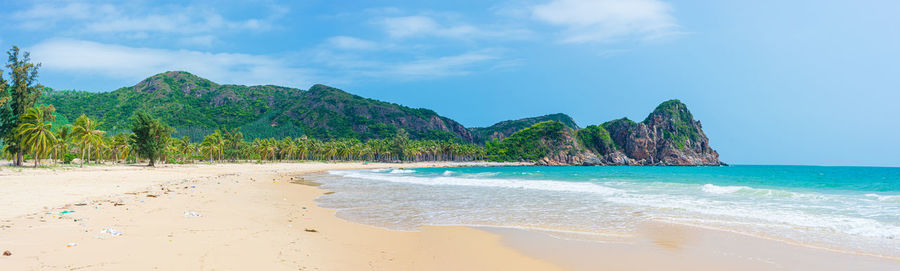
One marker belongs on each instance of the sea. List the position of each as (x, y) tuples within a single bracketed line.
[(850, 209)]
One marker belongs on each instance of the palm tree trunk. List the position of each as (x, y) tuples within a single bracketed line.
[(82, 156)]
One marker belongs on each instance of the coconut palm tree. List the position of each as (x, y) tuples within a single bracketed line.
[(87, 135), (63, 137), (34, 133), (118, 144)]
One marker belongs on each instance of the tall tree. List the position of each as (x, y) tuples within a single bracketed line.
[(86, 134), (63, 136), (34, 132), (150, 136), (233, 140), (21, 94)]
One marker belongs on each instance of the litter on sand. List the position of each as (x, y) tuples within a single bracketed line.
[(7, 253), (66, 212), (192, 213), (71, 244), (111, 231)]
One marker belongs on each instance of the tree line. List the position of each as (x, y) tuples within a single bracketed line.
[(27, 132)]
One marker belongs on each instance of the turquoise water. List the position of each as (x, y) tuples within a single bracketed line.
[(847, 208)]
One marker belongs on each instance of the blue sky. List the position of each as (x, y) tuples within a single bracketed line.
[(773, 82)]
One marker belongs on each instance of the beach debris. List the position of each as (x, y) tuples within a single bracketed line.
[(151, 195), (71, 244), (7, 253), (192, 214), (111, 231), (118, 203), (80, 204), (311, 230), (66, 212)]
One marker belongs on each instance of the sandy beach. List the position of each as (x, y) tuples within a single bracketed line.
[(215, 217), (264, 217)]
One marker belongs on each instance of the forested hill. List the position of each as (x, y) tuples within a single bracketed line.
[(195, 106), (506, 128)]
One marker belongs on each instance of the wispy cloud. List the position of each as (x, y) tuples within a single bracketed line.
[(608, 20), (432, 26), (406, 68), (135, 63), (135, 20), (351, 43)]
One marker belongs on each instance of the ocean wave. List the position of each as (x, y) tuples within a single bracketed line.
[(715, 189), (891, 198), (487, 182), (402, 171), (754, 192), (767, 208), (480, 175)]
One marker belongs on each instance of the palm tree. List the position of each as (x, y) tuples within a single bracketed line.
[(86, 133), (118, 145), (63, 136), (34, 133)]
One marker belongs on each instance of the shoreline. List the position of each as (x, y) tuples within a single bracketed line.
[(252, 216), (841, 259), (225, 218)]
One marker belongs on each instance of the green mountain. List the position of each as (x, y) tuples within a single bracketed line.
[(195, 106), (506, 128), (531, 143), (668, 136)]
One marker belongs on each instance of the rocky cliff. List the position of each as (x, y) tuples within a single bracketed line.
[(669, 136)]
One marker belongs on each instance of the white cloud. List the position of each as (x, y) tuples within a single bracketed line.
[(607, 20), (351, 43), (417, 68), (133, 18), (426, 26), (202, 40), (407, 26), (133, 63), (454, 65)]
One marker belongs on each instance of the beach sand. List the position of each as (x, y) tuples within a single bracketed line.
[(216, 217), (263, 217)]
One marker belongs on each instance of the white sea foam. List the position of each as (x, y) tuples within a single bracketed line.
[(402, 171), (504, 183), (715, 189), (891, 198), (771, 211)]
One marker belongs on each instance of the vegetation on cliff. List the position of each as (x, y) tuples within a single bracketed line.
[(529, 144), (506, 128), (196, 106), (596, 139), (681, 119)]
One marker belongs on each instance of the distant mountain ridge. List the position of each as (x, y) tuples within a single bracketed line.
[(196, 106)]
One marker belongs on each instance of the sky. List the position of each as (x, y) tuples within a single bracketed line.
[(773, 82)]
